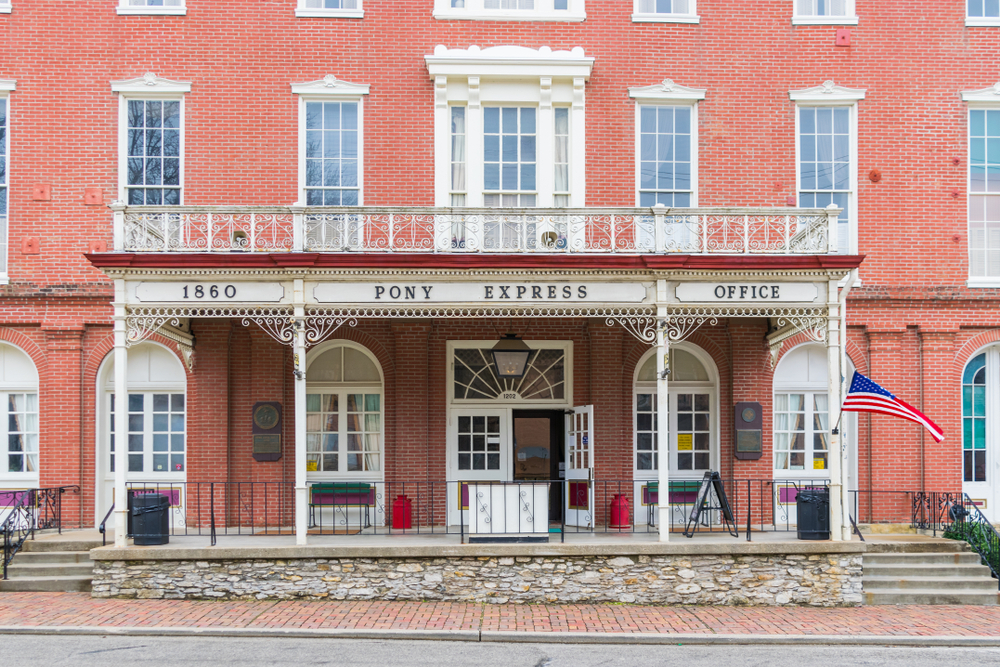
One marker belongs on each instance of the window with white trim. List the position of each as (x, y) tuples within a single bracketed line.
[(826, 149), (5, 87), (162, 7), (509, 126), (331, 140), (801, 411), (344, 423), (510, 10), (824, 12), (19, 429), (665, 11), (348, 9), (982, 12), (151, 140), (984, 193)]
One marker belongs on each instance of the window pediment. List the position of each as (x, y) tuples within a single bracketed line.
[(330, 86), (827, 93), (990, 95), (508, 62), (667, 90), (151, 84)]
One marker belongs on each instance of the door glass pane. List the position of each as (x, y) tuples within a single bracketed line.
[(479, 443)]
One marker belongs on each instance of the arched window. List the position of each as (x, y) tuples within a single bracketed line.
[(157, 414), (801, 411), (344, 434), (693, 404), (974, 420), (19, 395)]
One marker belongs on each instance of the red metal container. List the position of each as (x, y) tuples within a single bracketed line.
[(402, 513), (619, 511)]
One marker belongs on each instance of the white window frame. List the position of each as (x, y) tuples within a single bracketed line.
[(302, 11), (544, 10), (691, 16), (146, 87), (516, 404), (830, 94), (21, 386), (5, 7), (979, 21), (125, 8), (668, 94), (987, 99), (509, 76), (331, 89), (849, 18), (7, 86)]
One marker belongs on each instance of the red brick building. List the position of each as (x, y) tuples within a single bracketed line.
[(306, 225)]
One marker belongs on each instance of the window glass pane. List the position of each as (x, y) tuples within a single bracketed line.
[(665, 155), (331, 155), (509, 155)]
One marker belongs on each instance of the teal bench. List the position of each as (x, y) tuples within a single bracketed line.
[(341, 494)]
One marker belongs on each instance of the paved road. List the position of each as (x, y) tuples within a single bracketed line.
[(83, 651)]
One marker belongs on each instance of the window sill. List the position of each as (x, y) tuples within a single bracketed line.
[(465, 15), (4, 279), (824, 20), (983, 283), (330, 13), (5, 9), (665, 18), (974, 22), (152, 11), (18, 479)]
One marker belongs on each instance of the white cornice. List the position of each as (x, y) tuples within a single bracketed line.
[(989, 95), (667, 90), (150, 83), (330, 86), (509, 62), (828, 92), (8, 84)]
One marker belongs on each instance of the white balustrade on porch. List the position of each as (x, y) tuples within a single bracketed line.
[(697, 231)]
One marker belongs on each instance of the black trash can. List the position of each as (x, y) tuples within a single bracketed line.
[(150, 519), (813, 509)]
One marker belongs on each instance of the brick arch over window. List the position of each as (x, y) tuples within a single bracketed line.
[(855, 354), (711, 347), (106, 345), (377, 349), (30, 348), (969, 350)]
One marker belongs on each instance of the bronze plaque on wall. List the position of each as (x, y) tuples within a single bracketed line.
[(749, 429), (267, 431)]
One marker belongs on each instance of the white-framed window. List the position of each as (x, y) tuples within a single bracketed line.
[(160, 7), (665, 11), (345, 9), (984, 186), (344, 413), (801, 412), (151, 140), (473, 375), (510, 10), (331, 142), (509, 126), (824, 12), (19, 429), (982, 13), (666, 144), (826, 154), (6, 86)]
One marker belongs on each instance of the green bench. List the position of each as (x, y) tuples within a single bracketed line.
[(681, 492), (341, 495)]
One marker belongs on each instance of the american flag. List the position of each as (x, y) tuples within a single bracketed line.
[(866, 396)]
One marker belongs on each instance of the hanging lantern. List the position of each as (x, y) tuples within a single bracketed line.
[(510, 356)]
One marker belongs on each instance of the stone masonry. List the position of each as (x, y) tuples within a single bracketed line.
[(826, 580)]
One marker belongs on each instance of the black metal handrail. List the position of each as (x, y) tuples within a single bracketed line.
[(966, 522), (104, 522), (33, 510)]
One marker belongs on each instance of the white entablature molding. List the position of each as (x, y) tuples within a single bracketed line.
[(667, 90), (990, 95), (151, 84), (509, 62), (826, 93), (330, 86)]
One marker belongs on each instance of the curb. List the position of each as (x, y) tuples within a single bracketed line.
[(643, 638)]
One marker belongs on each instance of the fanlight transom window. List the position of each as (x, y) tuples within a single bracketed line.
[(476, 378)]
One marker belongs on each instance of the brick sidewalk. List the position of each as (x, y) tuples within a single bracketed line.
[(67, 610)]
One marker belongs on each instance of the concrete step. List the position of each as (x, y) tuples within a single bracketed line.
[(34, 546), (923, 558), (918, 546), (932, 596), (18, 570), (73, 584), (873, 584), (925, 570), (52, 557)]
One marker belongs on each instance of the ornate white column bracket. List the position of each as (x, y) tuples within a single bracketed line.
[(791, 325), (139, 327), (642, 329), (320, 327), (678, 326), (277, 325)]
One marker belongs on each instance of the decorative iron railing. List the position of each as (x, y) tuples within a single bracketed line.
[(28, 511), (959, 518), (698, 231)]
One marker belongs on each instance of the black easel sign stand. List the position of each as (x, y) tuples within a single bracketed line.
[(711, 480)]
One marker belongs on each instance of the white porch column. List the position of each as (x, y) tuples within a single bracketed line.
[(836, 454), (120, 416), (662, 415), (299, 350)]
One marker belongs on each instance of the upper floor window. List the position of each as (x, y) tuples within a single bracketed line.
[(824, 12), (826, 154), (5, 88), (510, 10), (983, 12), (350, 9), (501, 142), (666, 144), (331, 142), (163, 7), (151, 140), (984, 186), (665, 11)]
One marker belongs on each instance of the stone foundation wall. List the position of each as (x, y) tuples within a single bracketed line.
[(767, 579)]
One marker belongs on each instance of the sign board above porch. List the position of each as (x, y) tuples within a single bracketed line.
[(500, 292), (743, 292)]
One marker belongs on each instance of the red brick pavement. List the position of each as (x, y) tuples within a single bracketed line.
[(80, 610)]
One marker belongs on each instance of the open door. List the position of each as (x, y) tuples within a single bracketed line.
[(580, 467)]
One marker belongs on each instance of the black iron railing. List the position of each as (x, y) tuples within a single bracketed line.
[(957, 517), (30, 510)]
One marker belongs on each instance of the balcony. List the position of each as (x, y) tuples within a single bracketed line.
[(687, 231)]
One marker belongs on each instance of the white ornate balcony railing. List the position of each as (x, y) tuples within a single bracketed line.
[(734, 231)]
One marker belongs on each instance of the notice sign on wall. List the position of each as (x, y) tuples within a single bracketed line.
[(747, 292), (684, 442), (505, 293)]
